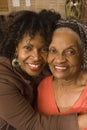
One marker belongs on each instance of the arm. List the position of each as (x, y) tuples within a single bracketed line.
[(18, 112)]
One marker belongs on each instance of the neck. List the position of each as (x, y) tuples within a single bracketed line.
[(66, 83)]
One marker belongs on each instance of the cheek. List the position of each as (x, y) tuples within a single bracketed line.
[(22, 55), (75, 61), (44, 57), (50, 59)]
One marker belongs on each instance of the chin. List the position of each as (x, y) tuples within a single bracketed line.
[(60, 76), (35, 74)]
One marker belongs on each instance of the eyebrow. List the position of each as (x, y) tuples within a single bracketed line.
[(72, 46)]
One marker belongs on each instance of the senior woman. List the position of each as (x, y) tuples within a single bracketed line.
[(65, 91), (23, 56)]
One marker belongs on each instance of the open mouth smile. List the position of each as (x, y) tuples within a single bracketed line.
[(60, 68), (34, 66)]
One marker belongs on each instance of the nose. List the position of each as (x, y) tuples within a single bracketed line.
[(36, 55), (60, 58)]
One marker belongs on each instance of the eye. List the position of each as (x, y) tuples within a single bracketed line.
[(52, 51), (28, 47), (70, 52), (44, 49)]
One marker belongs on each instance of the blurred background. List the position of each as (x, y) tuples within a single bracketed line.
[(7, 6)]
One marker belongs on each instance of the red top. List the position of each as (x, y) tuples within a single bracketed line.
[(46, 101)]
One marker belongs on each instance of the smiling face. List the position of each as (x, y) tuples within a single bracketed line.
[(32, 54), (64, 56)]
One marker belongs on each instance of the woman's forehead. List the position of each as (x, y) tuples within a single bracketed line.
[(65, 30)]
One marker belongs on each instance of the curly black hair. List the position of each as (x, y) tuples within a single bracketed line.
[(49, 19), (25, 22)]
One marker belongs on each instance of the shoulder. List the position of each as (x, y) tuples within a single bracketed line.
[(6, 68), (45, 82), (48, 78), (4, 63), (3, 59), (7, 73)]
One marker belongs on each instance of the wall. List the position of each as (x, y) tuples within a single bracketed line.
[(36, 5)]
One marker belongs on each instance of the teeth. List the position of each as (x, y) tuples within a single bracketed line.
[(35, 66), (60, 68)]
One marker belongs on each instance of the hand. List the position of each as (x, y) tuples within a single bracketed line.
[(82, 121)]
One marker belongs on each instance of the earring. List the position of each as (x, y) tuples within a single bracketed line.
[(15, 62)]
